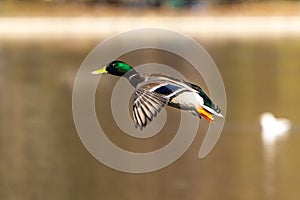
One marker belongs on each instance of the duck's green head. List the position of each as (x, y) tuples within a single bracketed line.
[(117, 68)]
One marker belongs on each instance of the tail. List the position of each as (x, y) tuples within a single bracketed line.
[(208, 104)]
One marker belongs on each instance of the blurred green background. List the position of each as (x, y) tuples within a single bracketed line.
[(42, 157)]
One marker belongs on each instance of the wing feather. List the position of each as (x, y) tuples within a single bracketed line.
[(134, 119), (146, 105), (146, 110)]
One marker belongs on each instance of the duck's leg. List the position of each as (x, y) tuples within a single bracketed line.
[(195, 112), (205, 114)]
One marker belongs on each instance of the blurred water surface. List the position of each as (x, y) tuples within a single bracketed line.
[(42, 156)]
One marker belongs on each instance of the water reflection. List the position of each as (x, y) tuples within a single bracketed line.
[(273, 130), (43, 158)]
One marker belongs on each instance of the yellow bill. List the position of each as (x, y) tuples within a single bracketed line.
[(100, 71)]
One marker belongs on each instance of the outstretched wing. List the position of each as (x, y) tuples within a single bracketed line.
[(146, 105)]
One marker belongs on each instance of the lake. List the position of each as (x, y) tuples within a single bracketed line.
[(42, 156)]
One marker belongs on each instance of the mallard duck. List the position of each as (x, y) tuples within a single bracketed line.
[(154, 91)]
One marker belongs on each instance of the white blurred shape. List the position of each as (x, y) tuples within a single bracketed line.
[(99, 27), (273, 128)]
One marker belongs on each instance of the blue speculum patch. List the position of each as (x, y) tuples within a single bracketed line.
[(167, 89)]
